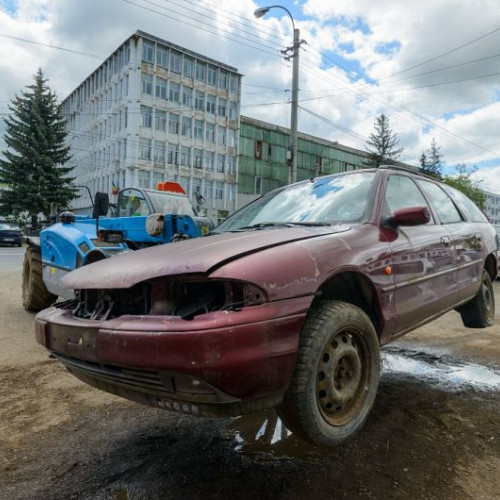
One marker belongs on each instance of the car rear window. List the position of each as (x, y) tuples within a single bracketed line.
[(446, 209), (467, 206)]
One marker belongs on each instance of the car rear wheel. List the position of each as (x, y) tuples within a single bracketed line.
[(336, 375), (480, 311), (35, 295)]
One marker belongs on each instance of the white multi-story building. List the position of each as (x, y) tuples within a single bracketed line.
[(492, 207), (154, 111)]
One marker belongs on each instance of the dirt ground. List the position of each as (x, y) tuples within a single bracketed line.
[(434, 432)]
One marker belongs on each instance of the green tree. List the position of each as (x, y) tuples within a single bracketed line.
[(431, 161), (32, 167), (382, 144), (463, 182)]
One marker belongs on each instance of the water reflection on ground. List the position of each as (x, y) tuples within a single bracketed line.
[(265, 433)]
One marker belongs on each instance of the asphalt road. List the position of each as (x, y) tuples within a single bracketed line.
[(11, 259)]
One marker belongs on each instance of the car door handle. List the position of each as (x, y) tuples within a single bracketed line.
[(445, 240)]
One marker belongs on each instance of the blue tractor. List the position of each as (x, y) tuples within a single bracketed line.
[(141, 218)]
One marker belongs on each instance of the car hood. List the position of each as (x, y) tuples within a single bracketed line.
[(200, 255)]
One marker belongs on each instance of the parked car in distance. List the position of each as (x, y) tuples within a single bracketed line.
[(10, 235), (286, 304)]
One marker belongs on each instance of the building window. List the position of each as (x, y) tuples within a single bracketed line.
[(188, 67), (185, 156), (222, 107), (212, 75), (199, 101), (145, 148), (173, 123), (258, 149), (148, 52), (196, 185), (161, 88), (187, 97), (172, 154), (147, 116), (231, 138), (175, 61), (159, 151), (219, 191), (207, 192), (174, 92), (210, 132), (184, 182), (209, 160), (147, 84), (157, 177), (230, 161), (187, 123), (258, 185), (162, 56), (223, 79), (197, 158), (233, 111), (233, 83), (160, 120), (211, 104), (346, 167), (201, 70), (221, 136), (198, 129), (220, 162), (143, 178)]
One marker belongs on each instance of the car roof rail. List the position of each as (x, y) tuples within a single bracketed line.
[(415, 171)]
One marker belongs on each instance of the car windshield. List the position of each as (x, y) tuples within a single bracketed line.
[(328, 200), (9, 227), (170, 203)]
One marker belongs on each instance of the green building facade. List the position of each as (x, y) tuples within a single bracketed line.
[(263, 158)]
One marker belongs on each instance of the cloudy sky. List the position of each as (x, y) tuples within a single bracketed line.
[(432, 66)]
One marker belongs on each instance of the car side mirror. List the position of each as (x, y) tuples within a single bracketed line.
[(409, 216), (200, 199), (101, 205)]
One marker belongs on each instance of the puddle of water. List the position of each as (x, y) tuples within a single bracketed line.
[(264, 432), (441, 371)]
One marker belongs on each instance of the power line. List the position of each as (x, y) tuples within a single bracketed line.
[(3, 35), (444, 68), (448, 52)]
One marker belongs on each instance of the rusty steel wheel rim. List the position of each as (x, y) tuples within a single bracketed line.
[(341, 377), (488, 299)]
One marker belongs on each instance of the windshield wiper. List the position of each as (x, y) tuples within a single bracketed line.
[(263, 225)]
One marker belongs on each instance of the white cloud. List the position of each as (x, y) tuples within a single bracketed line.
[(463, 117)]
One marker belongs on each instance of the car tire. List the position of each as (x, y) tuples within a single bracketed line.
[(35, 295), (480, 311), (336, 376)]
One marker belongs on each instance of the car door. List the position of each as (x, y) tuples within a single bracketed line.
[(423, 259), (466, 239)]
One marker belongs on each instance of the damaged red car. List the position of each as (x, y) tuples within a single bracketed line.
[(286, 304)]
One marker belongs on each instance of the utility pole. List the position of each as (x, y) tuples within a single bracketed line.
[(294, 49)]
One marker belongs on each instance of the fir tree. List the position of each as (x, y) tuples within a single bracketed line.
[(33, 166), (382, 144), (430, 161)]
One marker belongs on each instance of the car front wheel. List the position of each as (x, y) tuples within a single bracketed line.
[(336, 375)]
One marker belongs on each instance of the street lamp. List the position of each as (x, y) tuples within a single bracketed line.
[(292, 175)]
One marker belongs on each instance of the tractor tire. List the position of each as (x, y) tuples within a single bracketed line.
[(480, 311), (35, 295), (336, 375)]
